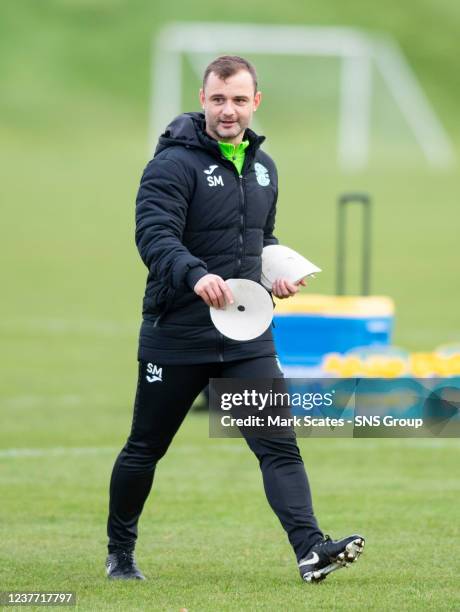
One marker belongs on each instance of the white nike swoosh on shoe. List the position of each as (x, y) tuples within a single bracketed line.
[(311, 561)]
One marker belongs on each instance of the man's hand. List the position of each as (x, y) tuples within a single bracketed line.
[(214, 291), (282, 288)]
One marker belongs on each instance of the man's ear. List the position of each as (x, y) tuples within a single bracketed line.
[(257, 100), (202, 98)]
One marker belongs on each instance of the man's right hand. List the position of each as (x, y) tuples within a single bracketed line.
[(214, 291)]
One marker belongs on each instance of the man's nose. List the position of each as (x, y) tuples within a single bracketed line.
[(228, 108)]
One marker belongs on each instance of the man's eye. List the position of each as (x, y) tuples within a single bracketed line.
[(218, 100)]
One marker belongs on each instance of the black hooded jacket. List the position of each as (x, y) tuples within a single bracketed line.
[(194, 216)]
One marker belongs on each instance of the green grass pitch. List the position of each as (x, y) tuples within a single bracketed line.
[(209, 541)]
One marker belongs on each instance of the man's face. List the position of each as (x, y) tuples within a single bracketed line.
[(228, 105)]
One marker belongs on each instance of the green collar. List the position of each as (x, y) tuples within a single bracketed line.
[(235, 153)]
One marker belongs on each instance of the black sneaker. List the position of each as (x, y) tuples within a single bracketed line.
[(120, 565), (329, 555)]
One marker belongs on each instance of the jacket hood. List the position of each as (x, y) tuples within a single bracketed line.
[(189, 129)]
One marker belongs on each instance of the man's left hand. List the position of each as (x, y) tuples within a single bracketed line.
[(282, 288)]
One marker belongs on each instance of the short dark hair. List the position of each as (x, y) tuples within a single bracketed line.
[(226, 66)]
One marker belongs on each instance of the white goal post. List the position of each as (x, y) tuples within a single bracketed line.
[(358, 51)]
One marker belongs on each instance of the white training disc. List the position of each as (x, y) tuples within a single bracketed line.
[(280, 261), (250, 314)]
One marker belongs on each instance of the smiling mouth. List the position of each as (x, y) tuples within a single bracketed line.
[(227, 123)]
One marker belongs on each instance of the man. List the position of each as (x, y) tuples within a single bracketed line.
[(205, 210)]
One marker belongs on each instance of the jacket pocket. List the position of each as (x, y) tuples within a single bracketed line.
[(169, 299)]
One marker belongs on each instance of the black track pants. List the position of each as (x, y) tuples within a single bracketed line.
[(159, 409)]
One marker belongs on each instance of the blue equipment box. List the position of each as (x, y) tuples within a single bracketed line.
[(307, 327)]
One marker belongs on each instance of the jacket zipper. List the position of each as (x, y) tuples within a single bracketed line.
[(240, 250), (241, 207)]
